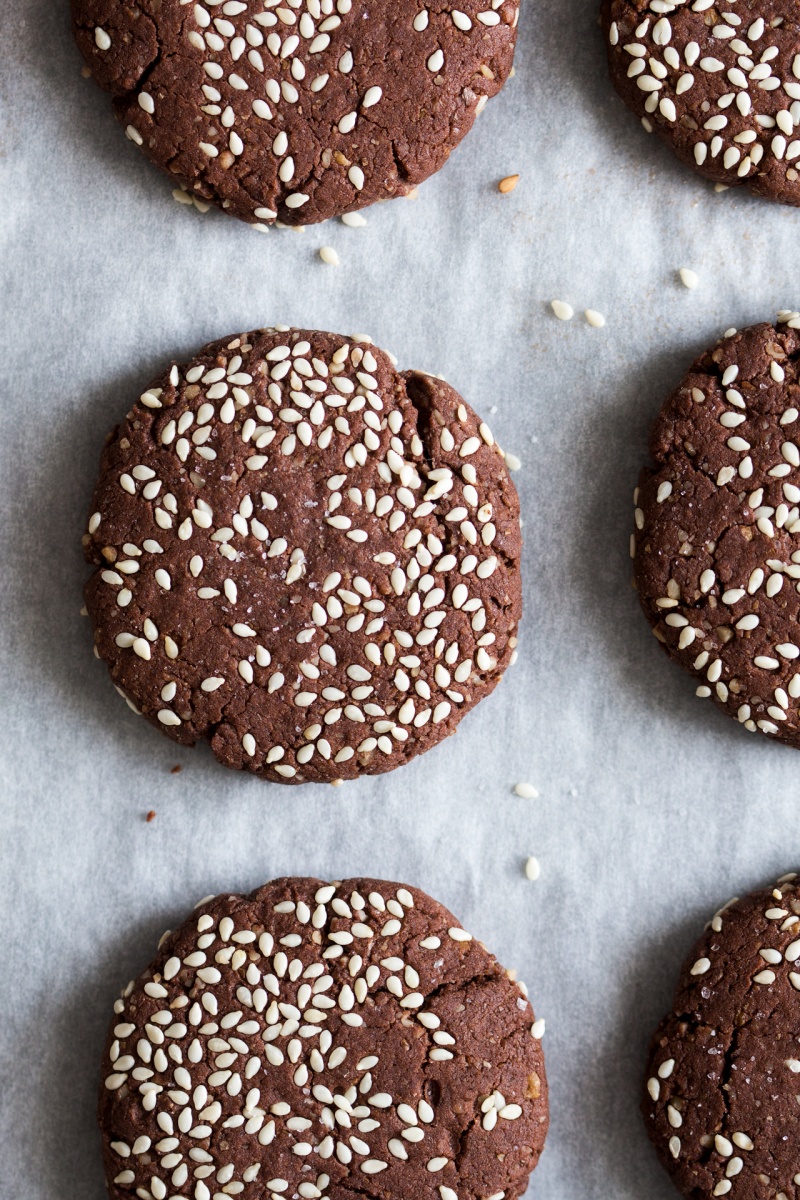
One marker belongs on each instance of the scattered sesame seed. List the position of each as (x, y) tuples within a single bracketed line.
[(526, 790), (508, 183), (688, 278), (354, 220), (564, 311), (512, 462), (532, 869), (595, 318), (329, 256)]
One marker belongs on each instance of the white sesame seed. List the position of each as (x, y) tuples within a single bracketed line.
[(526, 790)]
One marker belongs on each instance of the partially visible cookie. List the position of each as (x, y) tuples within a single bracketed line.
[(304, 556), (299, 110), (718, 82), (322, 1041), (720, 1101), (717, 541)]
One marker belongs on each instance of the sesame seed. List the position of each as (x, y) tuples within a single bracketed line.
[(688, 278), (564, 311), (329, 255), (508, 183), (532, 869)]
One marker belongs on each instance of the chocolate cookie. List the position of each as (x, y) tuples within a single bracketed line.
[(717, 542), (298, 111), (721, 1094), (718, 81), (304, 556), (322, 1041)]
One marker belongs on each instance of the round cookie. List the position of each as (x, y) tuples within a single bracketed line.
[(716, 546), (322, 1040), (297, 111), (720, 1102), (719, 82), (304, 556)]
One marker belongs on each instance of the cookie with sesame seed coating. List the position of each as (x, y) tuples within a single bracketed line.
[(720, 1098), (323, 1040), (304, 556), (719, 83), (716, 546), (297, 111)]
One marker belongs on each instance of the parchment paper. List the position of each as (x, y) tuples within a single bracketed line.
[(654, 808)]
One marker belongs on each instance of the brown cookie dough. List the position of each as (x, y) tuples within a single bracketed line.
[(719, 81), (304, 556), (300, 110), (322, 1041), (716, 547), (720, 1101)]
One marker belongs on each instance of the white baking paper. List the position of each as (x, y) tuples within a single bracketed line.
[(653, 807)]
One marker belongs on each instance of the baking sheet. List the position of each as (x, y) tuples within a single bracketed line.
[(654, 808)]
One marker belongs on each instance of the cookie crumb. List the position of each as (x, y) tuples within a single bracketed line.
[(329, 256), (564, 311), (354, 220), (595, 318), (527, 791), (508, 183), (176, 770), (532, 869), (151, 816), (689, 278)]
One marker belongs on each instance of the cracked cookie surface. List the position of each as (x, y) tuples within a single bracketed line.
[(304, 556), (322, 1041), (718, 81), (716, 546), (720, 1101), (302, 110)]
